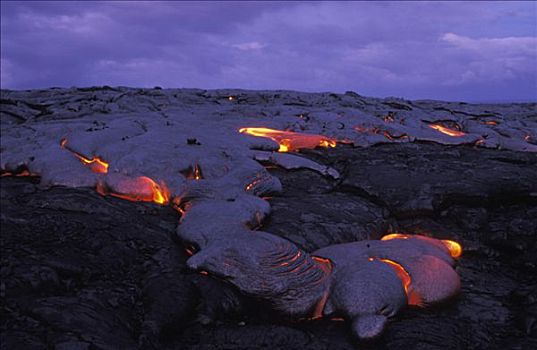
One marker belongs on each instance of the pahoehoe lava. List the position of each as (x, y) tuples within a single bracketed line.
[(217, 184)]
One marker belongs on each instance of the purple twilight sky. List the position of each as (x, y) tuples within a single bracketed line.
[(469, 51)]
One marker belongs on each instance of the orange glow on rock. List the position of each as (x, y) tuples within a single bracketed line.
[(197, 172), (193, 173), (394, 137), (389, 118), (22, 173), (447, 131), (394, 236), (412, 297), (401, 273), (325, 265), (139, 189), (337, 319), (293, 259), (96, 164), (455, 249), (289, 140), (189, 251), (319, 307), (252, 184)]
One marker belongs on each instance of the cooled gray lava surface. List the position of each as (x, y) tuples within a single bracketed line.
[(87, 271), (83, 271)]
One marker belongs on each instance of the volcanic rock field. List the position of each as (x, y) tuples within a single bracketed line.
[(234, 219)]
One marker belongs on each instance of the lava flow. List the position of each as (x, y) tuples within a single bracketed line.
[(193, 173), (326, 266), (406, 280), (96, 164), (139, 189), (446, 130), (455, 249), (378, 131), (289, 140)]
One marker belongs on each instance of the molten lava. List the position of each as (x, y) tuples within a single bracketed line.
[(401, 273), (412, 297), (197, 172), (289, 140), (96, 164), (455, 249), (139, 189), (446, 130), (293, 259), (193, 173), (394, 236), (325, 265), (252, 184)]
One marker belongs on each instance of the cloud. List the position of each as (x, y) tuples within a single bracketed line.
[(254, 45), (85, 23), (509, 46), (490, 59), (417, 50)]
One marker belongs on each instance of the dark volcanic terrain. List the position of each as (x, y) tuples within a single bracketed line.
[(83, 271)]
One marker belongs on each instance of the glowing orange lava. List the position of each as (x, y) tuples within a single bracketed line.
[(252, 184), (406, 280), (96, 164), (455, 249), (401, 273), (22, 173), (293, 259), (394, 137), (326, 266), (193, 173), (289, 140), (189, 251), (394, 236), (197, 172), (447, 131), (139, 189)]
